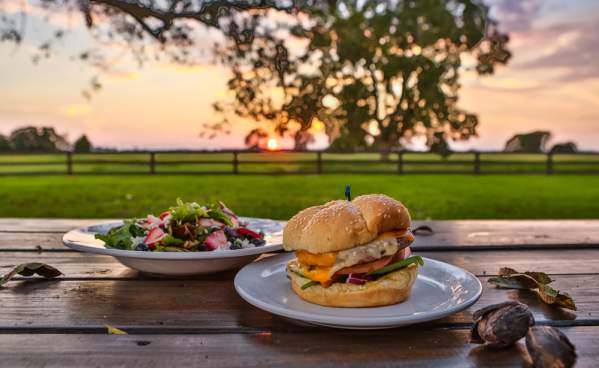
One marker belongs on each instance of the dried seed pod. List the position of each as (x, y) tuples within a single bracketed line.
[(501, 325), (549, 347)]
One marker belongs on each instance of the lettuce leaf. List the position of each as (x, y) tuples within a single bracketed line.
[(187, 211), (218, 214), (161, 248), (121, 237), (171, 241)]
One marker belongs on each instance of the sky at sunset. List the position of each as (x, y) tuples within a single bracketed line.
[(551, 83)]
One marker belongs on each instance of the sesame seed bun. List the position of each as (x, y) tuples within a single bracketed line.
[(391, 288), (340, 225)]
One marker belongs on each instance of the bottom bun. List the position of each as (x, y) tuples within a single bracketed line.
[(392, 288)]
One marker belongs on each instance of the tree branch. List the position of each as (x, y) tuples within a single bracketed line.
[(207, 14)]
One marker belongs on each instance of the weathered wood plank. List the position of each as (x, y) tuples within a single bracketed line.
[(580, 261), (212, 304), (456, 235), (407, 347), (490, 234), (34, 242), (46, 225)]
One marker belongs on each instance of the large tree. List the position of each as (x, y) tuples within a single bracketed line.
[(374, 72)]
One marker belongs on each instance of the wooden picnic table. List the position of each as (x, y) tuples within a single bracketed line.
[(201, 321)]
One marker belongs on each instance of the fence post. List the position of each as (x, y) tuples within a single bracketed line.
[(152, 163), (549, 163), (235, 163), (400, 162), (69, 163), (319, 162), (476, 163)]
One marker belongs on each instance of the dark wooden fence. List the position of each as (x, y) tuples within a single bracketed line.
[(294, 162)]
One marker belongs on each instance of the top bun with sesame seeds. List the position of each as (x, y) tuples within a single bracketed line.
[(340, 225)]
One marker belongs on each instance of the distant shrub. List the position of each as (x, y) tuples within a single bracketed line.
[(568, 147), (82, 144)]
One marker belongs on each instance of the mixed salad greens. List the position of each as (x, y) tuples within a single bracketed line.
[(186, 227)]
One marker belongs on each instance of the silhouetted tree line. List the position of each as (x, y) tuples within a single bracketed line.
[(41, 139)]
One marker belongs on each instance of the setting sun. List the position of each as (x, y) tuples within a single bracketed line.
[(272, 144)]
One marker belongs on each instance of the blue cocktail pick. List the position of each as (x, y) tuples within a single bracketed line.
[(348, 192)]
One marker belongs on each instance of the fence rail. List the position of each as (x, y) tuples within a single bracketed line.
[(295, 162)]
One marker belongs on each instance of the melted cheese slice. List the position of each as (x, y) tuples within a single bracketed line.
[(320, 274), (322, 267), (324, 259)]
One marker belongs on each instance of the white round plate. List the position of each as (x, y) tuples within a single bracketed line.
[(178, 263), (440, 290)]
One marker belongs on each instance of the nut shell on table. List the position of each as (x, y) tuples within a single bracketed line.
[(501, 325), (548, 347)]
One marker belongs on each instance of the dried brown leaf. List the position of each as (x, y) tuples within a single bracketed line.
[(515, 281), (511, 279), (30, 269), (551, 296)]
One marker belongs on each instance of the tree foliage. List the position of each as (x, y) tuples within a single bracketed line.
[(147, 29), (373, 72), (34, 139)]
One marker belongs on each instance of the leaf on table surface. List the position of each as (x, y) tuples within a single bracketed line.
[(515, 281), (29, 269), (511, 279), (540, 277), (551, 296), (115, 331)]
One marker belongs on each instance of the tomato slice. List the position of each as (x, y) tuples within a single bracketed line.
[(375, 265)]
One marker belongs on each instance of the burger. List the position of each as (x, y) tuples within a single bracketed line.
[(352, 253)]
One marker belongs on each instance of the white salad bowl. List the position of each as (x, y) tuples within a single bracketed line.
[(178, 263)]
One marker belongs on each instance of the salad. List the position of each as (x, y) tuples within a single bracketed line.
[(186, 227)]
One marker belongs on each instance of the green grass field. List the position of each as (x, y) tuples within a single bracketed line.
[(279, 197)]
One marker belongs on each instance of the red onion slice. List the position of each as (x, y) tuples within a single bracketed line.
[(356, 279)]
